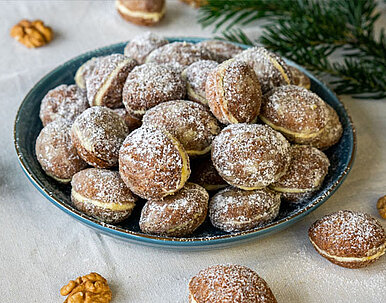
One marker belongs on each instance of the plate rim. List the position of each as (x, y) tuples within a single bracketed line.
[(165, 242)]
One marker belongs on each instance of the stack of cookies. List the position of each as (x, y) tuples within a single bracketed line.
[(190, 131)]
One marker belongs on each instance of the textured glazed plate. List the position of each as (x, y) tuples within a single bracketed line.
[(28, 126)]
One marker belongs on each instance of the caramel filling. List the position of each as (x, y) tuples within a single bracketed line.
[(374, 253), (291, 133), (185, 170), (111, 206)]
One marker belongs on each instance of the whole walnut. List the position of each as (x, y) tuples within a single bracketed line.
[(91, 288), (32, 34)]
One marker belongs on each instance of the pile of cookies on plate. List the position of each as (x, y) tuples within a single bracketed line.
[(172, 122)]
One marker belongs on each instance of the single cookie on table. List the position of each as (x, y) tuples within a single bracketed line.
[(221, 50), (229, 284), (299, 78), (141, 12), (305, 174), (205, 174), (84, 71), (349, 239), (233, 93), (296, 112), (250, 156), (101, 193), (153, 163), (56, 153), (331, 134), (149, 85), (63, 102), (233, 209), (98, 134), (175, 215), (195, 76), (105, 81), (142, 45), (189, 122), (271, 69), (178, 55), (131, 121)]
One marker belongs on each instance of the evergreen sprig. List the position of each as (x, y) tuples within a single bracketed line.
[(309, 32)]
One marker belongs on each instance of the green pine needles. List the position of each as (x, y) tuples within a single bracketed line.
[(309, 32)]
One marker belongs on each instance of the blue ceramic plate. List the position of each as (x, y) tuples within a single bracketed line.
[(28, 126)]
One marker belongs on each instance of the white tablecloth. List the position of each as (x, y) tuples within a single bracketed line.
[(41, 248)]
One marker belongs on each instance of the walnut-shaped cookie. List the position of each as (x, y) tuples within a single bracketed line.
[(270, 68), (141, 12), (101, 193), (149, 85), (349, 239), (98, 134), (189, 122), (105, 81), (250, 156), (305, 174), (63, 102), (56, 153), (233, 93), (233, 209), (176, 215), (229, 284), (153, 163), (296, 112)]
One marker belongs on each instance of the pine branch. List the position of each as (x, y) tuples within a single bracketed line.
[(309, 32)]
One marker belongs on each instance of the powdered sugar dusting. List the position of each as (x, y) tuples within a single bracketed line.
[(261, 60), (179, 54), (55, 151), (241, 91), (234, 209), (230, 284), (196, 75), (191, 123), (101, 132), (150, 163), (101, 71), (295, 109), (347, 233), (103, 185), (306, 171), (332, 132), (63, 102), (250, 155), (221, 50), (142, 45), (178, 214), (150, 84)]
